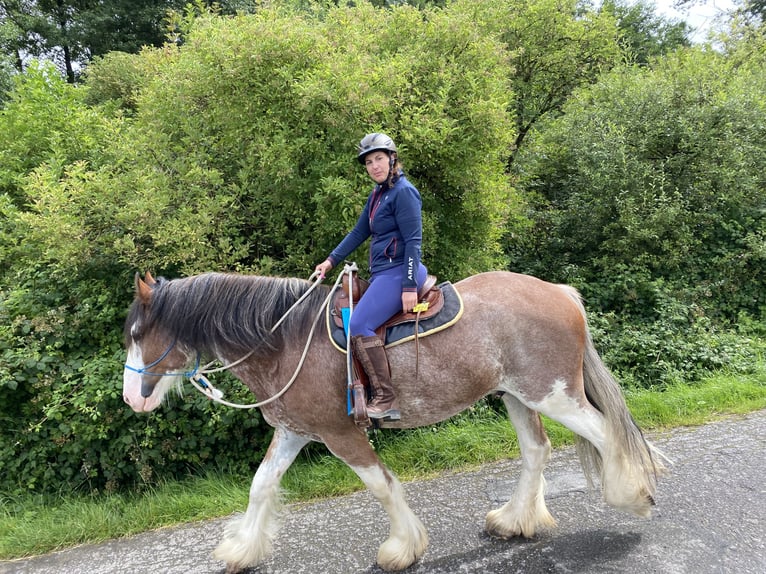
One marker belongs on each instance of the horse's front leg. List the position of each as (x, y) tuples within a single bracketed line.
[(248, 539), (408, 539)]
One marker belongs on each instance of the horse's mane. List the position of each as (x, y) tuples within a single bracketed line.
[(229, 312)]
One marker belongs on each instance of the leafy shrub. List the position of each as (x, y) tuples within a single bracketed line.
[(677, 346), (653, 174), (647, 194), (234, 150)]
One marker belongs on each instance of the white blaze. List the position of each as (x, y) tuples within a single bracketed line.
[(131, 384)]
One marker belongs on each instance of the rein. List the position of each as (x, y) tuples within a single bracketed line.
[(197, 375)]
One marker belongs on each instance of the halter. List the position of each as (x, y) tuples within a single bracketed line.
[(197, 376), (145, 369)]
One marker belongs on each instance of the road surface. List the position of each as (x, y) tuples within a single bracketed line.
[(710, 518)]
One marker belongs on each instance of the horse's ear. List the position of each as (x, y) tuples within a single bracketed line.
[(149, 279), (144, 289)]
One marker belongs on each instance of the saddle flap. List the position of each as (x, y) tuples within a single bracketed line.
[(341, 298), (433, 297)]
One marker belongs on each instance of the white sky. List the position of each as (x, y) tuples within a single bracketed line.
[(700, 16)]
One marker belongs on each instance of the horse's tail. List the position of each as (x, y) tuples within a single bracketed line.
[(630, 457)]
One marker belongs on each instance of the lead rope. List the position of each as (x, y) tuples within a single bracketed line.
[(203, 385)]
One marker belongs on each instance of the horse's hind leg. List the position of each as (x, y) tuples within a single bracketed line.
[(625, 483), (612, 446), (525, 512), (407, 538), (248, 539)]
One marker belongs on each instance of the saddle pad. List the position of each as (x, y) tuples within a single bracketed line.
[(403, 332)]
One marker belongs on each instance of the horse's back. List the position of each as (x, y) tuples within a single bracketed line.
[(509, 322), (503, 283), (507, 294)]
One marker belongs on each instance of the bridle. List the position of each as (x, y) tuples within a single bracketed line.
[(197, 375), (145, 369)]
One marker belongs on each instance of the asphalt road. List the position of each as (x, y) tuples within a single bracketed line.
[(710, 518)]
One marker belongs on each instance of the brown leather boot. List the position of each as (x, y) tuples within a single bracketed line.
[(372, 356)]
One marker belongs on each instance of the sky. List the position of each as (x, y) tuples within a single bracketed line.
[(701, 15)]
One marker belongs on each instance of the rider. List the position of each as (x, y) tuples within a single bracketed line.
[(392, 217)]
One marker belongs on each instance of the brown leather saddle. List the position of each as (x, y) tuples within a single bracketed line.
[(430, 299), (430, 302)]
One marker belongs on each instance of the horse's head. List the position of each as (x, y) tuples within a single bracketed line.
[(154, 360)]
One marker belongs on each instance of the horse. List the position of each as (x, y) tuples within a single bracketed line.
[(519, 337)]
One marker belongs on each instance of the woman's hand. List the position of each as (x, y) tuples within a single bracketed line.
[(323, 268), (409, 300)]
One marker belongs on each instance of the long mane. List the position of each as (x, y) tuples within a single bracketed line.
[(229, 312)]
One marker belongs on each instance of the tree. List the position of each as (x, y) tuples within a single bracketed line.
[(555, 46), (757, 8), (7, 72), (643, 34), (237, 154), (71, 32), (655, 174)]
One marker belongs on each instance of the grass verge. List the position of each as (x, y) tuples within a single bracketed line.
[(33, 525)]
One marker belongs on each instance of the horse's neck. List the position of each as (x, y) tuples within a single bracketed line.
[(258, 373)]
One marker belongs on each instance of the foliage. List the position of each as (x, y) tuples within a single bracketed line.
[(756, 9), (554, 46), (232, 150), (649, 189), (643, 34), (60, 343), (69, 33), (43, 120), (252, 126), (674, 348)]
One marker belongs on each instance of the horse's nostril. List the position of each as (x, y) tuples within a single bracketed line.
[(146, 390)]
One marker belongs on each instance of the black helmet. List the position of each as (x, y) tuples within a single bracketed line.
[(374, 142)]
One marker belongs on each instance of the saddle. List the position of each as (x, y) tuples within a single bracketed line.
[(430, 300)]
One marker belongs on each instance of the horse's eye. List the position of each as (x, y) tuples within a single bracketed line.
[(136, 332)]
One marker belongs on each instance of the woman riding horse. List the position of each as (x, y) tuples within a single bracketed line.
[(392, 217)]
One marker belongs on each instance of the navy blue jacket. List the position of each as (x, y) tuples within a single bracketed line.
[(392, 217)]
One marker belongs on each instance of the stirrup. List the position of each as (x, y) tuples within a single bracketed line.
[(389, 414), (360, 405)]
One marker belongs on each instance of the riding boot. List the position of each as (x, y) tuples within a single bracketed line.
[(372, 356)]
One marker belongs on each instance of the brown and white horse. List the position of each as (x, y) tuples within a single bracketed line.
[(519, 336)]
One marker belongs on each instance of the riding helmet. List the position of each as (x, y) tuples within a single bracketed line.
[(374, 142)]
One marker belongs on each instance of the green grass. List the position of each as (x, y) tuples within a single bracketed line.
[(33, 525)]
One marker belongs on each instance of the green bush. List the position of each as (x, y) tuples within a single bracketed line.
[(647, 194), (234, 150), (261, 115), (678, 345), (654, 174)]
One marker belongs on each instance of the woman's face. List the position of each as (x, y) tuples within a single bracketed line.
[(378, 166)]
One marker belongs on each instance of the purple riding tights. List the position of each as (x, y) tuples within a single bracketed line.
[(381, 301)]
